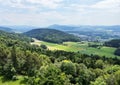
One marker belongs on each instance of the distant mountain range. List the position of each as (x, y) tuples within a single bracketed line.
[(6, 29), (85, 28), (25, 28), (64, 27), (17, 29), (22, 28), (91, 33), (85, 32)]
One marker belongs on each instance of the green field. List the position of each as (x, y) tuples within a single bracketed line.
[(82, 47)]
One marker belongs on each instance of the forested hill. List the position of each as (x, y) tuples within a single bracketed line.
[(113, 43), (8, 38), (51, 35)]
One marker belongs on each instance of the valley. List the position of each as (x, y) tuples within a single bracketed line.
[(59, 42), (46, 56), (91, 33), (82, 47)]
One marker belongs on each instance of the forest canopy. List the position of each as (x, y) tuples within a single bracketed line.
[(39, 66)]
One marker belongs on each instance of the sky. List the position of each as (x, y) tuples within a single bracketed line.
[(67, 12)]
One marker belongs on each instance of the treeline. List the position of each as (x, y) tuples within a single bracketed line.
[(114, 43), (51, 35), (40, 66)]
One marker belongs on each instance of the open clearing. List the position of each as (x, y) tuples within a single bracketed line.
[(81, 47)]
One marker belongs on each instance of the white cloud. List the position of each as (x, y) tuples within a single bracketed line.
[(12, 3), (107, 4), (101, 5), (41, 19), (45, 12), (46, 3), (52, 4), (104, 12)]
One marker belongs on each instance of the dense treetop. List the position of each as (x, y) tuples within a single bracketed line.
[(113, 43), (14, 36)]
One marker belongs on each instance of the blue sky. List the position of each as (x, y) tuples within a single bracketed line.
[(69, 12)]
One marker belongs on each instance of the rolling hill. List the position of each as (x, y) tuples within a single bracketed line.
[(21, 28), (7, 37), (91, 33), (51, 35), (6, 29), (114, 28)]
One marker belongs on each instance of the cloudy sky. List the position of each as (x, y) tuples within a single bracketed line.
[(70, 12)]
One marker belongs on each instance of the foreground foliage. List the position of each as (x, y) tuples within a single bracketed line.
[(39, 66)]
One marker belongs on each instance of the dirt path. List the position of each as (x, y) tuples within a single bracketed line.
[(36, 42)]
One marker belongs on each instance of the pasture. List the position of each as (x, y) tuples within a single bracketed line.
[(82, 47)]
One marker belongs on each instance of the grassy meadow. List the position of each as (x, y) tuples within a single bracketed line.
[(81, 47)]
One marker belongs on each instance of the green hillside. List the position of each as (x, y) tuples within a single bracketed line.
[(5, 36), (24, 64), (51, 35)]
